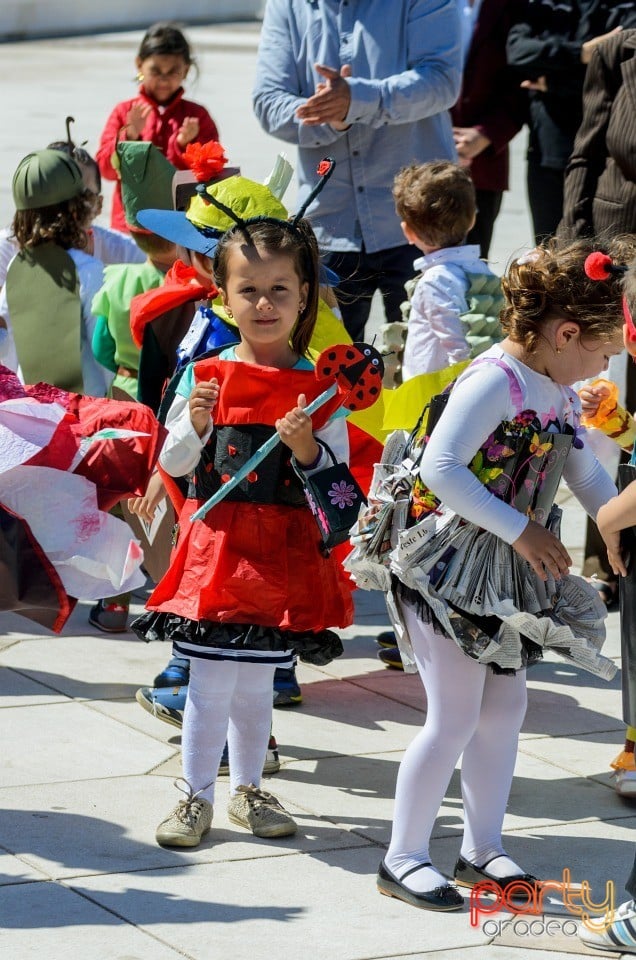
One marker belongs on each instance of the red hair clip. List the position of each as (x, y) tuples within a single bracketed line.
[(599, 266)]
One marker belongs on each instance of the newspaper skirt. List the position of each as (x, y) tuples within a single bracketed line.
[(485, 596), (479, 591)]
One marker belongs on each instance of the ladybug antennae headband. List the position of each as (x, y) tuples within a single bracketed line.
[(324, 171)]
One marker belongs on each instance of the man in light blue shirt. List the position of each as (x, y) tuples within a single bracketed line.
[(369, 83)]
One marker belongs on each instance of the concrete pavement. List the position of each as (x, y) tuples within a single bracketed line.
[(86, 775)]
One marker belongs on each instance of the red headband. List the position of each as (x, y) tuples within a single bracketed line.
[(629, 320)]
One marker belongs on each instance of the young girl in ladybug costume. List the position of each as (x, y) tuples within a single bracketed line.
[(248, 585)]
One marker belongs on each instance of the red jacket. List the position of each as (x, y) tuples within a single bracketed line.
[(491, 98), (161, 129)]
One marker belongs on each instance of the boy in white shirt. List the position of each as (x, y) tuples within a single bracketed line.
[(436, 205)]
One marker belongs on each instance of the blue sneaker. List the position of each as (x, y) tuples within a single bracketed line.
[(390, 657), (176, 673), (386, 639), (164, 703), (286, 690)]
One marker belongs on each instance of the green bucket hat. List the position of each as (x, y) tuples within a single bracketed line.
[(44, 179), (146, 179)]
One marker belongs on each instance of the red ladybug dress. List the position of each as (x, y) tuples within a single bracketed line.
[(251, 576)]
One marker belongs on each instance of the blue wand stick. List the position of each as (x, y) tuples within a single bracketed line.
[(257, 457)]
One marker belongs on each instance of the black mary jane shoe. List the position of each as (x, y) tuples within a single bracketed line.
[(469, 874), (444, 897)]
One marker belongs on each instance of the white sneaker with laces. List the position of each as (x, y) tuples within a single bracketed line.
[(260, 812), (190, 820), (619, 934)]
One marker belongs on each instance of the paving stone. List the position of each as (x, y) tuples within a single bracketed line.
[(81, 828)]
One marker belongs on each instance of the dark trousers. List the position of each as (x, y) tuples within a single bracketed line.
[(545, 196), (488, 207), (361, 274)]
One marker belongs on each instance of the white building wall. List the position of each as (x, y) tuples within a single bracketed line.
[(23, 19)]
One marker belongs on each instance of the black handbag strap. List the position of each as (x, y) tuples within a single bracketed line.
[(299, 470)]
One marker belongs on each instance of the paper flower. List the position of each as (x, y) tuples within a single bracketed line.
[(206, 160)]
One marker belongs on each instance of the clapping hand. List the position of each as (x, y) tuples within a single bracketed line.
[(188, 131), (331, 101)]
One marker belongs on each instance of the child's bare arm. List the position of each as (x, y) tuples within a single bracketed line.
[(144, 507), (614, 516)]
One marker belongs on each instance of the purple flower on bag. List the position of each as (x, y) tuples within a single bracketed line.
[(342, 494)]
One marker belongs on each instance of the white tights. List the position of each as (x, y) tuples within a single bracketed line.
[(473, 711), (226, 699)]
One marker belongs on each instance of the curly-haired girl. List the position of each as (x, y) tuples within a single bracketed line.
[(490, 588)]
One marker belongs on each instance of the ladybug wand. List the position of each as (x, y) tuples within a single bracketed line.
[(357, 371)]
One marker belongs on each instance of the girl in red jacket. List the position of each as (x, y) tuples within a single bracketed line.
[(159, 113)]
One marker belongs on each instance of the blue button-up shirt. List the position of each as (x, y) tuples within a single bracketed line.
[(405, 59)]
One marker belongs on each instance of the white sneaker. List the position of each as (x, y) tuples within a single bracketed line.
[(625, 784), (618, 936), (260, 812), (188, 823)]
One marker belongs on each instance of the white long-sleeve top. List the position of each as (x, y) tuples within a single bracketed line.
[(435, 335), (481, 400)]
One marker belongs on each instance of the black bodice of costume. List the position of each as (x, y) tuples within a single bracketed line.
[(229, 447)]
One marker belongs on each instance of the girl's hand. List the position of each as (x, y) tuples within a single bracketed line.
[(543, 550), (202, 401), (296, 430), (145, 507), (612, 539), (591, 397), (188, 131), (136, 120)]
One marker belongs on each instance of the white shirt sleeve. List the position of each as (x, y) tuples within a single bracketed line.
[(479, 402), (8, 249), (182, 448), (8, 352), (438, 301), (335, 435), (112, 246)]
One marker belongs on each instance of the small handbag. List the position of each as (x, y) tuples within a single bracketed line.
[(334, 498)]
